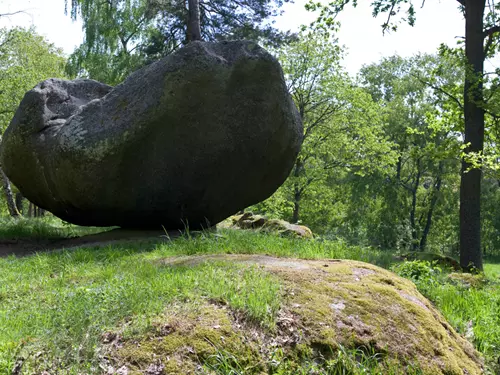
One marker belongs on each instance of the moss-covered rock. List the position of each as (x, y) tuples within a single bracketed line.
[(328, 306), (441, 260), (468, 280), (248, 220), (185, 141), (183, 339)]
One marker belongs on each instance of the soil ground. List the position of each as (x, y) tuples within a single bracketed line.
[(26, 247)]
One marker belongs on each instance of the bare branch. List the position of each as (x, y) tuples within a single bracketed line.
[(386, 25), (13, 13)]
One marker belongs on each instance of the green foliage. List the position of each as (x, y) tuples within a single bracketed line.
[(26, 59), (407, 203), (342, 132), (393, 9), (122, 35), (419, 271)]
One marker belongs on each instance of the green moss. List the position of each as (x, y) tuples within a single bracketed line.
[(334, 313), (183, 339), (377, 309)]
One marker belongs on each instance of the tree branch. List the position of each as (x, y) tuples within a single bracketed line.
[(386, 25), (492, 30), (441, 90), (12, 14)]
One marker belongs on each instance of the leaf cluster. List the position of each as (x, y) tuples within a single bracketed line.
[(26, 58), (122, 35)]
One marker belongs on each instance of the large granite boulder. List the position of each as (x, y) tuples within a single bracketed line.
[(187, 140)]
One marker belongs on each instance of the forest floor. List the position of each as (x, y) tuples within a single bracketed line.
[(27, 246)]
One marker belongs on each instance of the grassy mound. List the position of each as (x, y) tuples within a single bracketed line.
[(327, 307), (145, 306)]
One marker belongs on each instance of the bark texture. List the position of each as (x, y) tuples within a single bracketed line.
[(470, 186), (194, 27)]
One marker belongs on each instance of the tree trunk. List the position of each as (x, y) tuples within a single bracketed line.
[(194, 28), (430, 212), (11, 203), (413, 225), (20, 202), (470, 184), (398, 168), (297, 191), (296, 208)]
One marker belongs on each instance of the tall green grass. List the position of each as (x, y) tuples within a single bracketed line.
[(60, 304)]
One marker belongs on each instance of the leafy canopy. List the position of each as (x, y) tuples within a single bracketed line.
[(122, 35), (26, 59)]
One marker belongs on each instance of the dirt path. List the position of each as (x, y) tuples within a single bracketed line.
[(25, 247)]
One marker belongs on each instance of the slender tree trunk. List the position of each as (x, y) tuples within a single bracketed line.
[(194, 28), (20, 202), (11, 203), (297, 191), (430, 212), (470, 184), (296, 207), (30, 210), (413, 225), (398, 168)]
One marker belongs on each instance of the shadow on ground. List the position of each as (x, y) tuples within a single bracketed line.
[(26, 247)]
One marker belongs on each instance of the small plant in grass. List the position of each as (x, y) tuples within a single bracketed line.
[(224, 363), (340, 361), (423, 273)]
